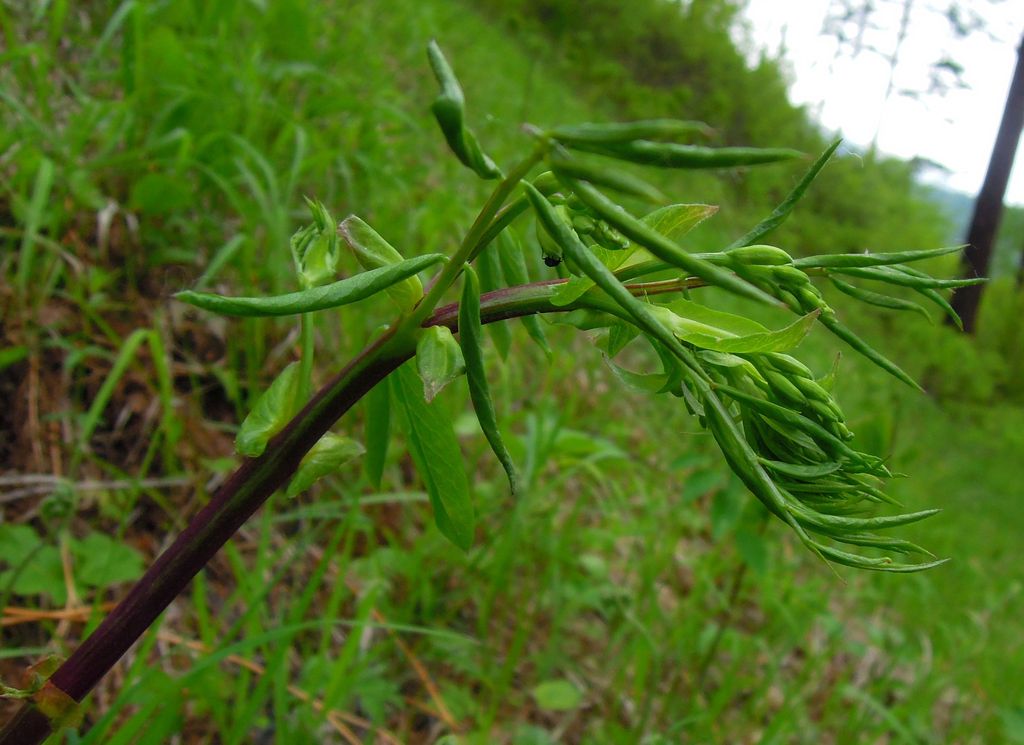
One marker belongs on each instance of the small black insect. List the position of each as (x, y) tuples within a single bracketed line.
[(552, 260)]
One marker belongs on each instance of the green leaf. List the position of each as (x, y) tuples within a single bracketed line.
[(870, 260), (439, 360), (780, 213), (449, 110), (373, 252), (601, 175), (877, 299), (343, 292), (328, 455), (489, 264), (725, 332), (270, 413), (101, 561), (471, 338), (438, 458), (674, 155), (18, 541), (12, 355), (865, 349), (557, 695), (673, 222), (378, 433), (42, 575), (315, 247), (513, 267), (895, 276), (617, 132), (663, 248)]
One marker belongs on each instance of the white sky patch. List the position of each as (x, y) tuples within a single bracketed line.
[(956, 129)]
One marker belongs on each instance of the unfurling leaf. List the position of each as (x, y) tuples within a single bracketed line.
[(435, 451), (373, 252), (439, 360), (315, 247), (270, 413), (471, 340), (328, 455)]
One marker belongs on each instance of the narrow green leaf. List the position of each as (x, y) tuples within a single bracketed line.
[(438, 360), (880, 564), (492, 278), (617, 132), (878, 299), (780, 213), (865, 349), (865, 260), (674, 155), (378, 433), (438, 458), (601, 175), (803, 470), (892, 275), (343, 292), (513, 266), (449, 110), (372, 251), (471, 341), (662, 247), (270, 413), (328, 455)]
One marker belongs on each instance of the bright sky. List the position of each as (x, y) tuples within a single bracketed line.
[(956, 129)]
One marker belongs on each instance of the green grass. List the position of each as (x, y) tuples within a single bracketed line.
[(168, 146)]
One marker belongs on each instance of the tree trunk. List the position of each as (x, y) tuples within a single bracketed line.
[(989, 206)]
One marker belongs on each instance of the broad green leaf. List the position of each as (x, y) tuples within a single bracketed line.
[(471, 341), (557, 695), (18, 542), (373, 252), (270, 413), (42, 575), (439, 360), (673, 222), (328, 455), (438, 458), (101, 561), (351, 290), (724, 332), (378, 433)]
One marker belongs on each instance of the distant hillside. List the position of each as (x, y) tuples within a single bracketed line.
[(957, 207)]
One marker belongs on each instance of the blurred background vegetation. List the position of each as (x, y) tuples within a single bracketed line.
[(631, 594)]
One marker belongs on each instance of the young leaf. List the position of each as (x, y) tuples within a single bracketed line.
[(471, 338), (492, 278), (449, 110), (343, 292), (725, 332), (373, 252), (328, 455), (780, 213), (662, 247), (878, 299), (435, 451), (617, 132), (270, 413), (378, 433), (315, 247), (513, 266), (865, 260), (439, 360)]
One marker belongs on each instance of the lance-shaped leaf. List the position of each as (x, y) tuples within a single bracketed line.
[(869, 259), (859, 345), (439, 360), (662, 247), (373, 252), (674, 155), (471, 340), (879, 564), (449, 110), (513, 266), (435, 451), (270, 413), (878, 299), (378, 433), (780, 213), (328, 455), (894, 276), (604, 133), (492, 278), (601, 175), (334, 295)]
